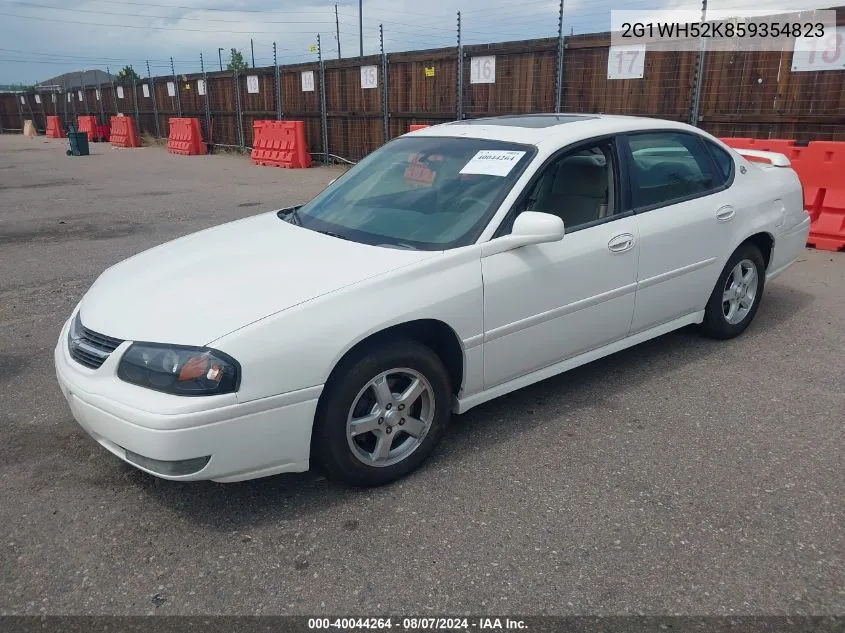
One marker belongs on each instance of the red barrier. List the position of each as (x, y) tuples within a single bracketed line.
[(88, 124), (820, 167), (185, 137), (280, 144), (103, 133), (123, 132), (415, 127), (54, 127)]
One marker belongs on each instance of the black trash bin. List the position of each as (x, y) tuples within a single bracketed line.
[(78, 142)]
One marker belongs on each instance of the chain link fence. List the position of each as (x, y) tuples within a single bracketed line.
[(351, 106)]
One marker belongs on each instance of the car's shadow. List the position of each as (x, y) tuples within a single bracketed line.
[(228, 507)]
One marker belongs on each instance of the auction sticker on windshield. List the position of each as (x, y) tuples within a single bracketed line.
[(490, 162)]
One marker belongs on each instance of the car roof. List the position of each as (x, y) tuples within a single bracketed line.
[(541, 129)]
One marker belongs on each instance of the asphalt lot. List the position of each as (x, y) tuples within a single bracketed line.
[(682, 476)]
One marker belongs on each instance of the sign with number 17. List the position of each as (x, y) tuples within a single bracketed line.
[(626, 62)]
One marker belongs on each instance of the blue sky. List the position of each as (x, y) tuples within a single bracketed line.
[(43, 38)]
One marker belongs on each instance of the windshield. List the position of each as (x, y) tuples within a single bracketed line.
[(427, 193)]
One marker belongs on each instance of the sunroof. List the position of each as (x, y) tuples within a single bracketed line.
[(528, 120)]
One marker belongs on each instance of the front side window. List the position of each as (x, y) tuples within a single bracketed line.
[(578, 186), (668, 167), (426, 193)]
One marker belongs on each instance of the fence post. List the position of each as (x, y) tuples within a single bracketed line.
[(560, 46), (238, 109), (384, 84), (460, 79), (135, 100), (18, 98), (176, 89), (323, 115), (113, 91), (99, 94), (73, 108), (699, 71), (208, 136), (278, 84), (84, 89), (153, 95), (43, 110)]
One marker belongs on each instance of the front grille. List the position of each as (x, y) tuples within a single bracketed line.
[(89, 348)]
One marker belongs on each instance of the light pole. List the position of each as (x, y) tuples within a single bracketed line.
[(220, 57)]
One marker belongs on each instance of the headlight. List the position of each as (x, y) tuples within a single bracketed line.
[(183, 371)]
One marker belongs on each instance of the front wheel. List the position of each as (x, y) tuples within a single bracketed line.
[(737, 294), (382, 414)]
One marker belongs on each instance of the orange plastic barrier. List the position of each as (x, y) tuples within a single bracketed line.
[(185, 137), (820, 167), (88, 124), (280, 144), (415, 127), (54, 127), (123, 132)]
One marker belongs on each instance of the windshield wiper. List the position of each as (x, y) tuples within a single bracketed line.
[(332, 234)]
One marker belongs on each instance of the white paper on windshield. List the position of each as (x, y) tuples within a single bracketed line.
[(491, 162)]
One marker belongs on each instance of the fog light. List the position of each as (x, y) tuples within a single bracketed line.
[(171, 469)]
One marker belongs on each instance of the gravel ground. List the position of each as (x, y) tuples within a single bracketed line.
[(681, 476)]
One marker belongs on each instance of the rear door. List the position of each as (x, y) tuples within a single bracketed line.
[(686, 212)]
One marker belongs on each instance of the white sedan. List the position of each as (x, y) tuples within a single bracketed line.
[(451, 266)]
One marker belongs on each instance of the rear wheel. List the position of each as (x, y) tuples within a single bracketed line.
[(737, 294), (382, 414)]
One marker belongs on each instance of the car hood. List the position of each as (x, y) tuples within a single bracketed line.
[(197, 288)]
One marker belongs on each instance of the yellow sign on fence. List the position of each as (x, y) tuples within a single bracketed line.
[(429, 71)]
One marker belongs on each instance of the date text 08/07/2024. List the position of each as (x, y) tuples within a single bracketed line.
[(417, 624)]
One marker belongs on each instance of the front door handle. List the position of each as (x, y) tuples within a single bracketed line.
[(725, 214), (621, 243)]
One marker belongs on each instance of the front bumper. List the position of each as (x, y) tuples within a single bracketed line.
[(242, 440)]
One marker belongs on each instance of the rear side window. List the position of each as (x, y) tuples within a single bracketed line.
[(723, 161), (667, 167)]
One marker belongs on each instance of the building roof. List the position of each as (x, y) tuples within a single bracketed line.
[(78, 79)]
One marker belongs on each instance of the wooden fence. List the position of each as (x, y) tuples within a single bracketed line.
[(742, 94)]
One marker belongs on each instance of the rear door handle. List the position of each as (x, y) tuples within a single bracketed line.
[(621, 243), (725, 214)]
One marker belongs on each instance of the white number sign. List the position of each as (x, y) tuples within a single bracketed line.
[(120, 92), (37, 98), (626, 62), (68, 97), (79, 94), (200, 87), (815, 53), (171, 89), (54, 97), (23, 101), (307, 81), (145, 88), (98, 94), (252, 84), (369, 76), (482, 70)]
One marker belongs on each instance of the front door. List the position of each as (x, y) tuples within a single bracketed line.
[(545, 303)]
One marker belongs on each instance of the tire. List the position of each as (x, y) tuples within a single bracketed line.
[(348, 442), (727, 316)]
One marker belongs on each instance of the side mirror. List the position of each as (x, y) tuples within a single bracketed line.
[(530, 227)]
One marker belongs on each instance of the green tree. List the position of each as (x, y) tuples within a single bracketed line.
[(237, 61), (128, 73)]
